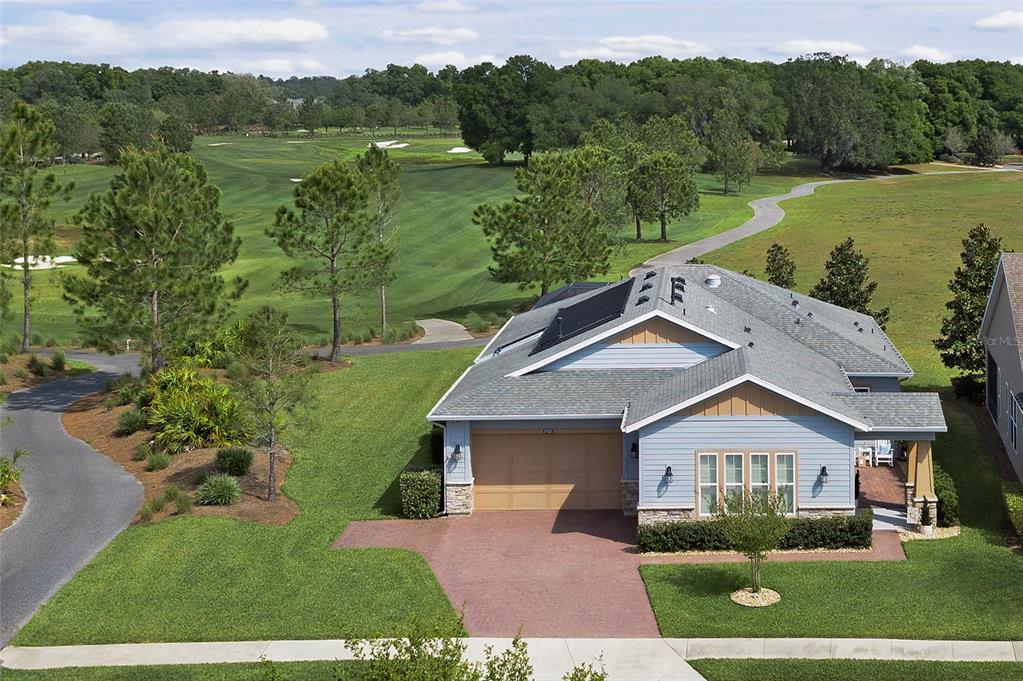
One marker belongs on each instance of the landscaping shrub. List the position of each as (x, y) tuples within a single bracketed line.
[(474, 322), (35, 366), (10, 345), (51, 342), (142, 452), (157, 460), (684, 535), (3, 378), (828, 532), (218, 490), (1012, 492), (110, 402), (35, 339), (189, 411), (4, 358), (182, 504), (234, 370), (58, 361), (10, 473), (233, 461), (131, 422), (420, 493), (21, 373), (948, 497)]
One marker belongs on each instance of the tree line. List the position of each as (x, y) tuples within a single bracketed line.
[(843, 113)]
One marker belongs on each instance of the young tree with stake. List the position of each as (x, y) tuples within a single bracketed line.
[(27, 190), (381, 174), (754, 527), (331, 232), (274, 383)]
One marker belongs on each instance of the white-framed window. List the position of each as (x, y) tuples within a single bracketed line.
[(759, 475), (735, 480), (1014, 418), (708, 484), (785, 480)]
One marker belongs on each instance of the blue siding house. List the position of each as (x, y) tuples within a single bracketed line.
[(672, 392)]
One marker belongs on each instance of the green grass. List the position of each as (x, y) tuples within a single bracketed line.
[(962, 588), (443, 257), (207, 578), (855, 670)]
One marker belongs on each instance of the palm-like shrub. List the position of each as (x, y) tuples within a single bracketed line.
[(188, 411), (218, 490), (233, 461), (9, 474), (131, 422)]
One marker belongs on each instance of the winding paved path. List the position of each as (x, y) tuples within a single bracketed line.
[(441, 331), (78, 499), (766, 214)]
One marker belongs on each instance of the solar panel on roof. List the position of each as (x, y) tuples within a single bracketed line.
[(587, 314)]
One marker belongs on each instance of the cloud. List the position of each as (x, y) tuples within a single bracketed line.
[(444, 6), (288, 67), (435, 34), (1003, 21), (452, 57), (79, 34), (214, 33), (631, 47), (798, 47), (928, 53)]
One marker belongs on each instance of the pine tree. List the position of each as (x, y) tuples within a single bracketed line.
[(551, 233), (733, 153), (27, 190), (959, 347), (780, 270), (847, 283), (381, 174), (332, 232), (153, 244), (667, 188)]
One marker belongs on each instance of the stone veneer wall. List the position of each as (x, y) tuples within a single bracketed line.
[(458, 498), (914, 507), (653, 516), (630, 496)]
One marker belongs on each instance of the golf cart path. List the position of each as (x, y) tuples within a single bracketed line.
[(766, 214), (441, 331), (78, 499)]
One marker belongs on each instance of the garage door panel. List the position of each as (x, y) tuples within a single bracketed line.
[(533, 471)]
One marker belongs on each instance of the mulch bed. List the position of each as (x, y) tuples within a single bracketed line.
[(10, 511), (16, 362), (89, 420)]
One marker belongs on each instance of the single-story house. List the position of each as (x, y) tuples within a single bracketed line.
[(1004, 371), (670, 391)]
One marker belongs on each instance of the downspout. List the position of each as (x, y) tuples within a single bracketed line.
[(443, 470)]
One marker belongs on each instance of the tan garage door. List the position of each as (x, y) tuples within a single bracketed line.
[(533, 471)]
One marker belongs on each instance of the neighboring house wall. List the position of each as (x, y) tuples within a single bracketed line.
[(1002, 345), (877, 384)]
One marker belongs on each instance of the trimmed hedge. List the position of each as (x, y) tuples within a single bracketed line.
[(948, 497), (829, 532), (1013, 494), (420, 493)]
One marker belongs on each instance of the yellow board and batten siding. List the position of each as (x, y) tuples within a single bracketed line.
[(747, 399), (657, 331)]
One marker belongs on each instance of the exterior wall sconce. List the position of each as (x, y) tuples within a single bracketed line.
[(669, 477), (634, 450), (456, 455), (823, 477)]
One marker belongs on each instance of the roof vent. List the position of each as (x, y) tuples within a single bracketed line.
[(856, 324), (650, 275), (797, 320), (710, 308), (860, 329), (712, 281), (646, 287), (643, 299), (809, 315), (795, 303), (746, 329), (749, 345)]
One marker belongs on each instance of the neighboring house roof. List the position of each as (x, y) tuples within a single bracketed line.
[(568, 291), (804, 350), (1010, 274)]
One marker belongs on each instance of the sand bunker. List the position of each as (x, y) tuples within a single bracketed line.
[(296, 179), (219, 144), (390, 144), (43, 262), (459, 150), (297, 141)]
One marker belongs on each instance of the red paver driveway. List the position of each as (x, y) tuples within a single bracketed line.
[(547, 573)]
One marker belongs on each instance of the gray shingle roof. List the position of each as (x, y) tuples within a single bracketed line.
[(806, 350), (1012, 267), (899, 411)]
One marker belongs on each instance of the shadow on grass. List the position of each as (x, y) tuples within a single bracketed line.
[(389, 502), (710, 580)]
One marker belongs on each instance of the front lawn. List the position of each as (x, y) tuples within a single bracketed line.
[(855, 670), (203, 578), (242, 671)]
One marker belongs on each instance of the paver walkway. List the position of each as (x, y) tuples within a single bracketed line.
[(549, 573), (766, 214), (634, 659), (78, 499)]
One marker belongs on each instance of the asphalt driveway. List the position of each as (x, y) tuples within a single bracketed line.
[(78, 499)]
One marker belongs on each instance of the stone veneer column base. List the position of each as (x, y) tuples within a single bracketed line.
[(458, 498), (824, 512), (630, 496), (656, 516)]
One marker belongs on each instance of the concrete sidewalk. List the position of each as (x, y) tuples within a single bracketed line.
[(635, 659)]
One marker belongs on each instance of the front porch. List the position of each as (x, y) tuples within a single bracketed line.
[(898, 491)]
